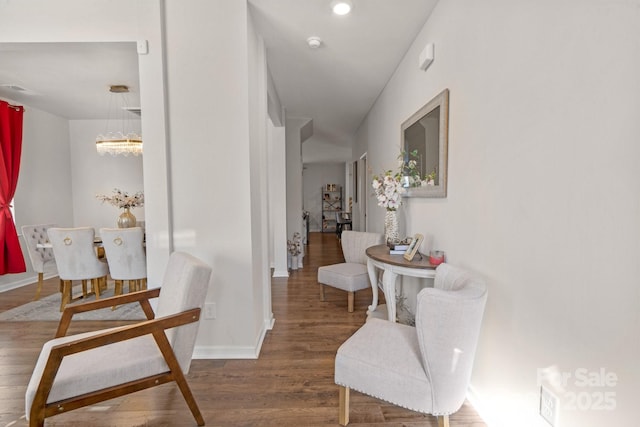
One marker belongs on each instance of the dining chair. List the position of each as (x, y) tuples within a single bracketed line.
[(426, 368), (351, 275), (40, 257), (76, 259), (124, 250), (81, 370)]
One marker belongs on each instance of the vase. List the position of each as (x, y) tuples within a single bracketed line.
[(126, 219), (294, 262), (391, 226)]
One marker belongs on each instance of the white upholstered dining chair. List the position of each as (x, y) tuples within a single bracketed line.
[(76, 259), (41, 258), (80, 370), (124, 250), (351, 275), (426, 368)]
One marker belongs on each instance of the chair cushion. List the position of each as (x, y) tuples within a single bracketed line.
[(382, 359), (98, 368), (346, 276)]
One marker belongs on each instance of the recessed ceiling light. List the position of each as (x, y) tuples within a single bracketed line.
[(341, 7), (314, 42)]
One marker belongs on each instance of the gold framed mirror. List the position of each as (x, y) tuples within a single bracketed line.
[(426, 136)]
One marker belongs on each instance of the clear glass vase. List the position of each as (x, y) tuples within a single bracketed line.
[(391, 226)]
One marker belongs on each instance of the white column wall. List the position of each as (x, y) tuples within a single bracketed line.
[(278, 198), (544, 193), (294, 175)]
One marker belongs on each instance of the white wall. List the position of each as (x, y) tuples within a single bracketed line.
[(294, 174), (210, 175), (315, 178), (544, 191), (93, 174), (276, 153)]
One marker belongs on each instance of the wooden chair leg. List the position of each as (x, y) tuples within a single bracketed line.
[(84, 288), (95, 285), (118, 287), (143, 284), (443, 421), (66, 294), (39, 288), (343, 415), (118, 290), (351, 298), (321, 292)]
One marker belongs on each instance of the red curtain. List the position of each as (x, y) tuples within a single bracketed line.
[(11, 259)]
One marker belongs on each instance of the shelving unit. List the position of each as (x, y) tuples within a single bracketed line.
[(331, 204)]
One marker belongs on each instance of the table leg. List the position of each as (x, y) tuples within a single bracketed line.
[(371, 269), (389, 287)]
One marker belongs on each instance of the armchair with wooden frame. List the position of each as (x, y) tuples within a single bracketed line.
[(85, 369)]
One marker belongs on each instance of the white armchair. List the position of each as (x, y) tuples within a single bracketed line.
[(77, 260), (79, 370), (351, 275), (40, 257), (427, 368)]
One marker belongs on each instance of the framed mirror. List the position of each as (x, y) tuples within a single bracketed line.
[(425, 137)]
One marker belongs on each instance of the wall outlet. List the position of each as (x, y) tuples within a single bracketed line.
[(210, 310), (548, 405)]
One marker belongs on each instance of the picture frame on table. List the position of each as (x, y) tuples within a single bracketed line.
[(413, 247)]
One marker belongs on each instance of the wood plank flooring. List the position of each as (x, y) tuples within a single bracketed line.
[(291, 384)]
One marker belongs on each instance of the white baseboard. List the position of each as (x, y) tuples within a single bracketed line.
[(476, 401), (234, 352), (277, 273), (24, 281)]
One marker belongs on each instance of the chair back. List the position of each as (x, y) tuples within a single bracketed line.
[(184, 286), (34, 235), (355, 243), (75, 254), (448, 320), (124, 250)]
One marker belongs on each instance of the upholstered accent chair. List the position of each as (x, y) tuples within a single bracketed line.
[(124, 250), (80, 370), (426, 368), (351, 275), (40, 257), (76, 259)]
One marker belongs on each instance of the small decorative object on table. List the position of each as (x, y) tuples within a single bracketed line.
[(294, 247), (122, 199), (436, 257), (413, 247)]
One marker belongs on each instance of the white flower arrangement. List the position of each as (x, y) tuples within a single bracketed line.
[(388, 190), (122, 199)]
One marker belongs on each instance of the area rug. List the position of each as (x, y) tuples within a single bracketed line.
[(48, 309)]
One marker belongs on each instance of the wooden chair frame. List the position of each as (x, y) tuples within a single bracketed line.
[(40, 409)]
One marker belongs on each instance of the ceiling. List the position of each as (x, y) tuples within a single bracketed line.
[(70, 80), (335, 85)]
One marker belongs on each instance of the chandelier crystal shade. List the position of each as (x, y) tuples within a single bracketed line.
[(118, 142)]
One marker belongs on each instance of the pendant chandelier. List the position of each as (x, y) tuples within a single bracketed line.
[(119, 142)]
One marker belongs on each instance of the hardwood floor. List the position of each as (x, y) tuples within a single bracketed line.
[(291, 384)]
